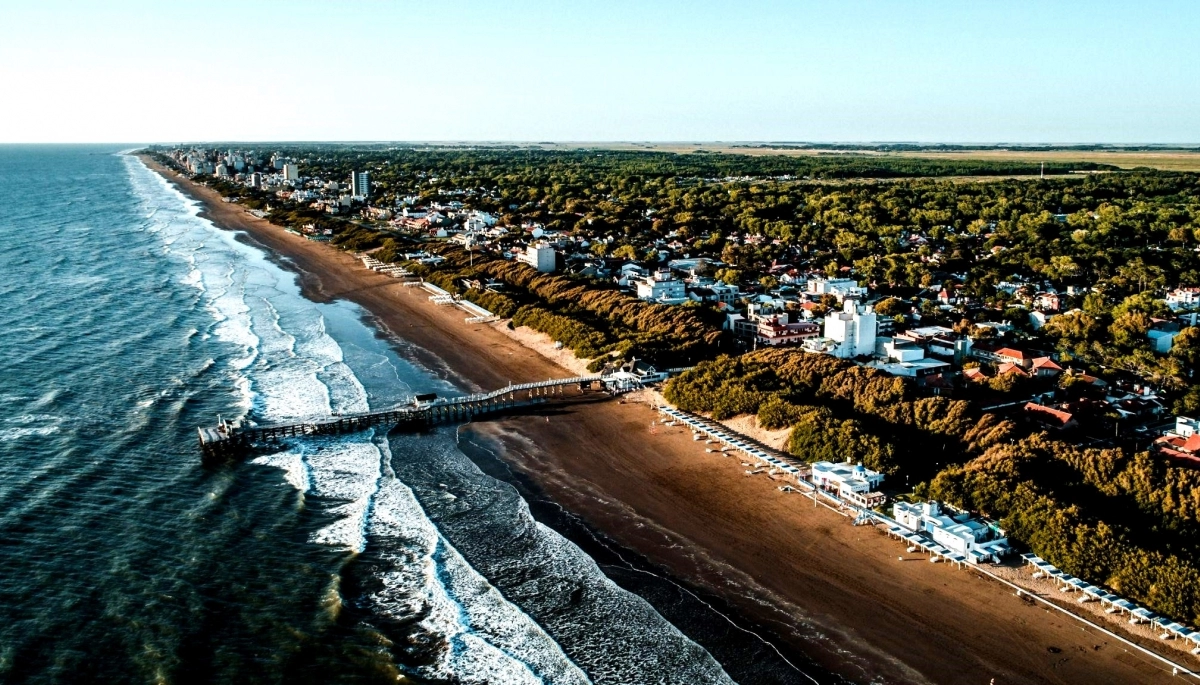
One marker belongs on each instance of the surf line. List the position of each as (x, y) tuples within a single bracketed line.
[(628, 565)]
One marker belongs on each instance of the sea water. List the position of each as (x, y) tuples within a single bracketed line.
[(126, 320)]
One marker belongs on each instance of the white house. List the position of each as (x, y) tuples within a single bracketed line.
[(1183, 298), (972, 539)]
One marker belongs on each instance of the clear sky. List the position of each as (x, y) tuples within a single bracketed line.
[(840, 70)]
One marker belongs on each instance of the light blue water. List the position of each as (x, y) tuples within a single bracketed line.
[(126, 321)]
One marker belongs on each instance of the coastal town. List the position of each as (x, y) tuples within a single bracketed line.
[(1068, 367), (994, 348)]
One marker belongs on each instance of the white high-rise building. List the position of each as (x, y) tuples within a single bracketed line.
[(540, 257), (360, 184), (852, 330), (291, 172)]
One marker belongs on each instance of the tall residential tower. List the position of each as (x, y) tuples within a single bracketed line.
[(360, 184)]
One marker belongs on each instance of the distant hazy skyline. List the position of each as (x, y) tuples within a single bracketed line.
[(1063, 72)]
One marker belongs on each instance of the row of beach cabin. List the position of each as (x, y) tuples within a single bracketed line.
[(1170, 629)]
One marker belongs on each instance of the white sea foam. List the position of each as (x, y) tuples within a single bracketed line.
[(13, 434)]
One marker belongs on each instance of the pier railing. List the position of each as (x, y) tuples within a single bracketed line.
[(226, 440)]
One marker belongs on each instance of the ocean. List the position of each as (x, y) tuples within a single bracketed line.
[(127, 321)]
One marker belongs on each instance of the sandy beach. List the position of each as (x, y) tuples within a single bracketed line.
[(847, 596)]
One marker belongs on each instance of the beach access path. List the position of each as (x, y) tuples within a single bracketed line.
[(847, 596)]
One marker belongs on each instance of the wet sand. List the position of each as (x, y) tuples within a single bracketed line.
[(848, 597)]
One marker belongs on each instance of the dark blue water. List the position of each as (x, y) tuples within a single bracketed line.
[(125, 322)]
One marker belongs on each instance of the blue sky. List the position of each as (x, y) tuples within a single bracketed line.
[(570, 71)]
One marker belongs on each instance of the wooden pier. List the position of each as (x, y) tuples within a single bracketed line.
[(226, 441)]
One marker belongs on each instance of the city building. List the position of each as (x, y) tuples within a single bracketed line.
[(291, 172), (663, 288), (360, 184), (776, 331), (540, 257), (853, 483), (972, 539), (852, 330)]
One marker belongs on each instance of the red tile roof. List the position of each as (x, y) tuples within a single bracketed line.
[(1049, 414), (1009, 367), (1010, 352), (1045, 363)]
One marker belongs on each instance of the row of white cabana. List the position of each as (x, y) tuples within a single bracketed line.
[(1092, 593), (917, 541), (717, 432), (383, 267)]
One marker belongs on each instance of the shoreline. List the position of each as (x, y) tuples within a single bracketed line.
[(833, 592)]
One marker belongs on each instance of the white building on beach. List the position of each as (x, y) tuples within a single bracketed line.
[(970, 538), (853, 483)]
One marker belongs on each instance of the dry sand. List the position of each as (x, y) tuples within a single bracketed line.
[(848, 596)]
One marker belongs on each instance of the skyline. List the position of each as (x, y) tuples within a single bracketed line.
[(862, 71)]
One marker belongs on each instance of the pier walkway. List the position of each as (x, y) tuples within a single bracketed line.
[(225, 440)]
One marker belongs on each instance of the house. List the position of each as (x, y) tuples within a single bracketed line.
[(1182, 299), (630, 273), (855, 484), (972, 539), (925, 371), (1038, 318), (1050, 417), (1044, 367), (1046, 302), (1009, 355), (714, 292), (1009, 367), (1183, 451), (949, 347), (974, 374)]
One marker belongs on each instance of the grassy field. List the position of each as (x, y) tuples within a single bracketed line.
[(1172, 160)]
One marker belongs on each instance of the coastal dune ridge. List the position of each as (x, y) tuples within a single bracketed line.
[(820, 586)]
